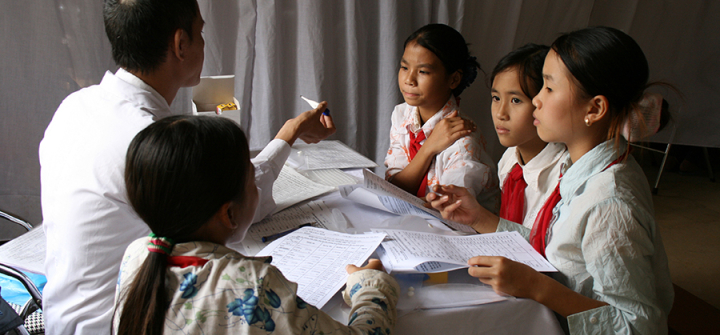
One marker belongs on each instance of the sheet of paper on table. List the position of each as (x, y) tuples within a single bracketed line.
[(26, 252), (315, 212), (408, 251), (378, 193), (330, 177), (326, 155), (291, 188), (315, 259)]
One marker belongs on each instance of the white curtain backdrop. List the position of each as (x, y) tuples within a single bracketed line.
[(342, 51)]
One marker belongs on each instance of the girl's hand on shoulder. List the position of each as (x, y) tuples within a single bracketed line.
[(447, 131), (506, 276), (373, 264)]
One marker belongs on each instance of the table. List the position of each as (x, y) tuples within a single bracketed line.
[(513, 316)]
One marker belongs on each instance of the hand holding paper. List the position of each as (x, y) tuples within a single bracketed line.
[(505, 275), (410, 251), (458, 205)]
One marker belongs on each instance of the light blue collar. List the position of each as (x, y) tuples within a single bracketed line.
[(575, 175)]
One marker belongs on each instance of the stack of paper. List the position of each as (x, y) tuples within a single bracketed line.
[(315, 212), (409, 251), (376, 192), (291, 188), (26, 252), (327, 155)]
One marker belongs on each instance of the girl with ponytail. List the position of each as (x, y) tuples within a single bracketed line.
[(191, 181), (598, 227), (430, 143)]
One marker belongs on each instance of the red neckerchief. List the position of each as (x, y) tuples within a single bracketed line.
[(512, 204), (185, 261), (545, 216), (413, 150)]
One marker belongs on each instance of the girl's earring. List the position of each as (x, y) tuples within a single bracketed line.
[(587, 122)]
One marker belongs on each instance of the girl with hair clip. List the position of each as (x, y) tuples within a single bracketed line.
[(191, 180), (598, 227), (430, 143)]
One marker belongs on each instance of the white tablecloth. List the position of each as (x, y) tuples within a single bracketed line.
[(512, 316)]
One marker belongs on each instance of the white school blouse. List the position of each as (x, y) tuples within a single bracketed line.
[(464, 163), (86, 216), (606, 246), (542, 174)]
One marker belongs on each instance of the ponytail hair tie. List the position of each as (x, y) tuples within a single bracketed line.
[(469, 70), (645, 119), (160, 245)]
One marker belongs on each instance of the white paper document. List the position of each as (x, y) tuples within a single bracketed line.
[(291, 188), (330, 177), (408, 251), (26, 252), (315, 259), (315, 212), (326, 155), (378, 193)]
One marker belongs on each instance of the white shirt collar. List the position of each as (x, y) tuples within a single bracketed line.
[(131, 88), (534, 171), (414, 124), (137, 82)]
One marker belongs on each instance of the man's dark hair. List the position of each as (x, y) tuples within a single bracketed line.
[(140, 30)]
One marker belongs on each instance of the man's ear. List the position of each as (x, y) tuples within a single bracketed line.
[(179, 44), (455, 79), (598, 108)]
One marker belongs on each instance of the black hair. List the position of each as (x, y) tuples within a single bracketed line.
[(528, 61), (179, 172), (450, 47), (606, 61), (140, 30)]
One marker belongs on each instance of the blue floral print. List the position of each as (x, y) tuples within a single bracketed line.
[(354, 289), (247, 307), (188, 285)]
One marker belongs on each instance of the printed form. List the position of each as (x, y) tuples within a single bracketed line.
[(315, 259), (315, 212), (330, 177), (291, 188), (326, 155), (409, 251), (26, 252)]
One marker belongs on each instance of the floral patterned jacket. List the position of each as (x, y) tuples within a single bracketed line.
[(235, 294), (465, 163)]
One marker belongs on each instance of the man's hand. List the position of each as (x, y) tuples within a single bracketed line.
[(311, 126)]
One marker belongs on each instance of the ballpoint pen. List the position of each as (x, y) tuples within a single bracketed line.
[(281, 234), (314, 104)]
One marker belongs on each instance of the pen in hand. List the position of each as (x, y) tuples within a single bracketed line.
[(314, 104), (281, 234)]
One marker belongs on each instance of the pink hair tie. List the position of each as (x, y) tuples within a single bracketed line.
[(646, 113), (160, 245)]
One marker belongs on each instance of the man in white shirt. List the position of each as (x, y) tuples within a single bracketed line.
[(159, 47)]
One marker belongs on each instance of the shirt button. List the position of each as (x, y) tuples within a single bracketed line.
[(593, 320)]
